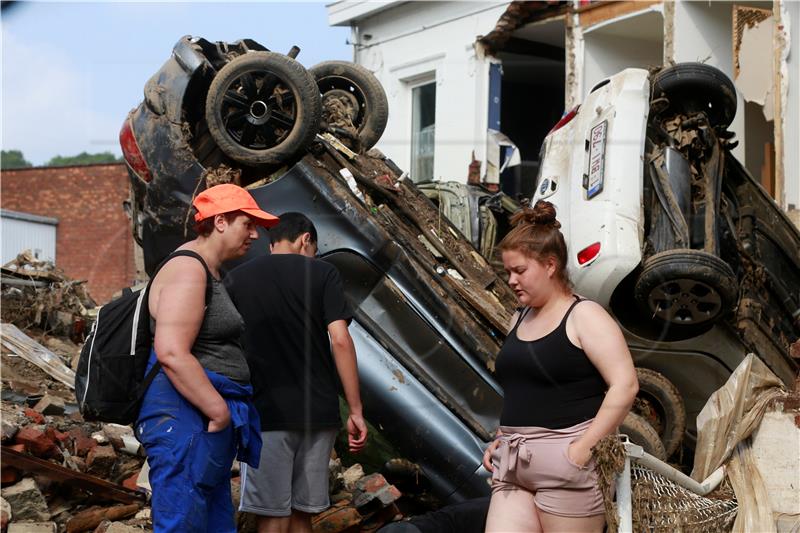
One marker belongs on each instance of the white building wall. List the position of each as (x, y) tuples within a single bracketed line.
[(703, 32), (419, 41), (791, 125), (19, 235)]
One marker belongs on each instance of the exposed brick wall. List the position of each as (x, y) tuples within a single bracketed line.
[(93, 236)]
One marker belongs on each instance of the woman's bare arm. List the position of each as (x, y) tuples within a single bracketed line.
[(602, 340), (179, 307)]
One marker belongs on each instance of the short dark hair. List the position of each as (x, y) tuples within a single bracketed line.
[(291, 226)]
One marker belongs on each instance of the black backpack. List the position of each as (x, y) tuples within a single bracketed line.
[(110, 381)]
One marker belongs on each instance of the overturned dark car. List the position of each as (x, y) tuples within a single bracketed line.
[(430, 311)]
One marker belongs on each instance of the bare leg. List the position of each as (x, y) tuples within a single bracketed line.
[(301, 522), (512, 511), (273, 524), (561, 524)]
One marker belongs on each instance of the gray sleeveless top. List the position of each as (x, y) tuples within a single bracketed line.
[(218, 346)]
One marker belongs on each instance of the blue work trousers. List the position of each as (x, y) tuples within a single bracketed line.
[(190, 468)]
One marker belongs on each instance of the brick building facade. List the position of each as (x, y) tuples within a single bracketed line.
[(93, 236)]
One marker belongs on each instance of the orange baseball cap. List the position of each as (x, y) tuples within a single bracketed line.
[(228, 197)]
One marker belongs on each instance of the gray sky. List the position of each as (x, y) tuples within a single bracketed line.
[(71, 71)]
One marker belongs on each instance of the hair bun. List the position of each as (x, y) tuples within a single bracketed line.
[(544, 213), (541, 214)]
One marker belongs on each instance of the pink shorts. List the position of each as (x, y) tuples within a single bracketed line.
[(535, 459)]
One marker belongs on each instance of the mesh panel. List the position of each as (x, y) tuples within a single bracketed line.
[(659, 505)]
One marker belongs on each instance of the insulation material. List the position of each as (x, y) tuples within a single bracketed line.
[(724, 426), (755, 77)]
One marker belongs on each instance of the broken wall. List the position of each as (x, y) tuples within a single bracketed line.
[(420, 42)]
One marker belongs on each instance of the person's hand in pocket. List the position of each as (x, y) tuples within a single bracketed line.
[(579, 454), (487, 455)]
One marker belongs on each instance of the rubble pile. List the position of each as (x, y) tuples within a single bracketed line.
[(37, 294), (63, 474)]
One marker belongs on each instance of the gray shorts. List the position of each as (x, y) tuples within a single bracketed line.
[(293, 474)]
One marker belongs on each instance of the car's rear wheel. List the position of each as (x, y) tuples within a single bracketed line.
[(640, 432), (686, 288), (352, 94), (263, 108), (659, 402), (695, 87)]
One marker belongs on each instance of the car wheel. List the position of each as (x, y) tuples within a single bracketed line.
[(353, 90), (695, 87), (641, 433), (661, 405), (263, 108), (686, 288)]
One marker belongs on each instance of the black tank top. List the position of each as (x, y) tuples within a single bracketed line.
[(548, 382)]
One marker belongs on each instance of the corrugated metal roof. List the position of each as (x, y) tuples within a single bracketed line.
[(28, 217)]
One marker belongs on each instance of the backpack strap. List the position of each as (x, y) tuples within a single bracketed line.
[(151, 375)]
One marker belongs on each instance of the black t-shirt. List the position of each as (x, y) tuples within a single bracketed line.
[(287, 302)]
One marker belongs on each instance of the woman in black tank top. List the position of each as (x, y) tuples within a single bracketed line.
[(568, 381)]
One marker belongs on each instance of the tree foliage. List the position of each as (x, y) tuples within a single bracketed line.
[(83, 158), (13, 159)]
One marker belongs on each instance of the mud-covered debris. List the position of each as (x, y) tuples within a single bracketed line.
[(26, 501), (22, 345), (222, 174), (352, 475), (36, 293)]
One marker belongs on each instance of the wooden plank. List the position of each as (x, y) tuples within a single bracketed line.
[(603, 11), (33, 352), (95, 485)]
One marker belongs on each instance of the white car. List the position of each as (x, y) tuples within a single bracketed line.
[(671, 233)]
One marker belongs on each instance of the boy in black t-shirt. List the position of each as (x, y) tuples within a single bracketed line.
[(299, 350)]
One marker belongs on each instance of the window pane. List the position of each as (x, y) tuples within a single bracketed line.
[(423, 131)]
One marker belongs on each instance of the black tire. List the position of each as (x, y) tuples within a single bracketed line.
[(686, 288), (263, 108), (363, 93), (694, 87), (660, 404), (640, 432)]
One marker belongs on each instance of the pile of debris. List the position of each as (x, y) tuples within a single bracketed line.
[(37, 294), (63, 474)]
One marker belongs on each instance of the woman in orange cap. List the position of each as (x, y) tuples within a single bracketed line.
[(196, 415)]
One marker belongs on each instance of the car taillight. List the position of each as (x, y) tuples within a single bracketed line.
[(588, 253), (130, 149), (565, 119)]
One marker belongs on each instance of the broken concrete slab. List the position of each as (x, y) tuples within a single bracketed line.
[(351, 475), (115, 432), (32, 527), (122, 438), (26, 501), (116, 527), (8, 430), (100, 460), (50, 405), (5, 514)]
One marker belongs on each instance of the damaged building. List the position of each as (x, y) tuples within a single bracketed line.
[(457, 72)]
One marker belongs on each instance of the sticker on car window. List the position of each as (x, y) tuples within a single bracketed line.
[(597, 160)]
